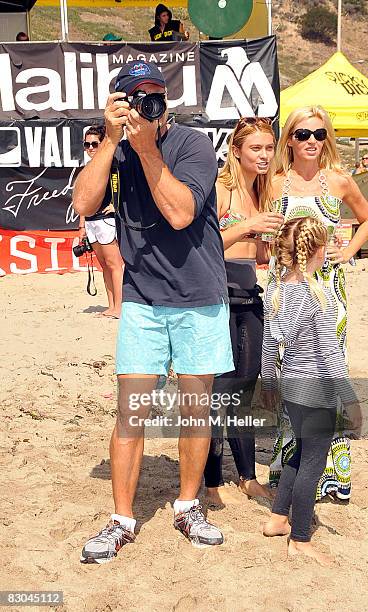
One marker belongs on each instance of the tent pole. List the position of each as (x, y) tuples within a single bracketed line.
[(339, 24), (62, 19), (66, 19), (269, 14), (357, 155)]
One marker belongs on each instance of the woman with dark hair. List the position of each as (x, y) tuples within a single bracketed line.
[(101, 232), (166, 28), (243, 194)]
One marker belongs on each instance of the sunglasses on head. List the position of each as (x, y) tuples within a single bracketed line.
[(253, 121), (94, 144), (303, 134)]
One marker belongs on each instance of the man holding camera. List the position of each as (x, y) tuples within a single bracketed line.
[(174, 289)]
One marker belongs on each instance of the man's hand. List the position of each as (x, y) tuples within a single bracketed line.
[(82, 233), (141, 133), (116, 114)]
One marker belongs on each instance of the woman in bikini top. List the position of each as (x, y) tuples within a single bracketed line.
[(243, 188)]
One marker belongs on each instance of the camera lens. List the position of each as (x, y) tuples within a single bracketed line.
[(152, 106), (78, 250)]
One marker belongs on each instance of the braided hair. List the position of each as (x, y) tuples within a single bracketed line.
[(296, 243)]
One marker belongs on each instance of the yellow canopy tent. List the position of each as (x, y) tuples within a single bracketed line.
[(340, 88)]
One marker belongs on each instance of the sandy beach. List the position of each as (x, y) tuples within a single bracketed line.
[(57, 391)]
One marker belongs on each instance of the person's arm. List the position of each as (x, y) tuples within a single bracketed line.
[(90, 186), (354, 198), (243, 230), (82, 227), (179, 198)]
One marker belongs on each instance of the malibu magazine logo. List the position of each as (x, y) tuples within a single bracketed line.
[(240, 88), (67, 81)]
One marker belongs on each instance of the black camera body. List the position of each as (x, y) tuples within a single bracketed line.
[(149, 106), (82, 248)]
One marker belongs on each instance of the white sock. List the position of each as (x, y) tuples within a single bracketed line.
[(125, 521), (183, 506)]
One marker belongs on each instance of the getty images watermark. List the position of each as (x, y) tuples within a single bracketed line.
[(237, 407), (164, 412)]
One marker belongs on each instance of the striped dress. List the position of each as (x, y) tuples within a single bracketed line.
[(336, 478)]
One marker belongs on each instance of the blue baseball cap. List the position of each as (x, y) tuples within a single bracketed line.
[(136, 73)]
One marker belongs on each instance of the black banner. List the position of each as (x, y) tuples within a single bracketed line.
[(38, 199), (39, 162), (49, 80), (240, 80), (64, 88)]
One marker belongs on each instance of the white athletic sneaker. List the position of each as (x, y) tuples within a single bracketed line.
[(104, 546), (197, 529)]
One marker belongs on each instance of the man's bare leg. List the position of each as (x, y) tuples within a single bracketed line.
[(193, 452), (194, 441), (126, 450), (127, 440)]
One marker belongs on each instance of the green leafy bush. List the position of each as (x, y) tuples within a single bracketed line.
[(319, 23)]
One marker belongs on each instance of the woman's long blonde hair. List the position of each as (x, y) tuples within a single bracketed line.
[(295, 244), (229, 175), (329, 158)]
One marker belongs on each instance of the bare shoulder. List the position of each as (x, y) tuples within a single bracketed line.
[(223, 196), (278, 185), (222, 191), (338, 183)]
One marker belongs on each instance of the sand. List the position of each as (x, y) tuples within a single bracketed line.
[(58, 400)]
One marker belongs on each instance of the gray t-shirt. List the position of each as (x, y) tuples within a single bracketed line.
[(164, 266)]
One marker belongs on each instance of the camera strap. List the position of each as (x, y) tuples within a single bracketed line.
[(115, 199), (91, 285)]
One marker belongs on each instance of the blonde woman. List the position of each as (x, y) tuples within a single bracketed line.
[(299, 313), (309, 180), (243, 193)]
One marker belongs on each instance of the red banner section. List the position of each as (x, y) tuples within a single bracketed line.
[(27, 252), (36, 251)]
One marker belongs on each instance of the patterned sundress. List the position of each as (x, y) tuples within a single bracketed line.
[(336, 478)]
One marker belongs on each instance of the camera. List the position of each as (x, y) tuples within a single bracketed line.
[(149, 106), (83, 247)]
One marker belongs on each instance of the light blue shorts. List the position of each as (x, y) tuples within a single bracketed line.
[(193, 340)]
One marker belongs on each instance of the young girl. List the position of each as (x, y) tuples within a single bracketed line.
[(300, 316)]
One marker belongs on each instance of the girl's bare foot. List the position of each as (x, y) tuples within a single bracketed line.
[(221, 496), (277, 525), (307, 548), (254, 489)]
